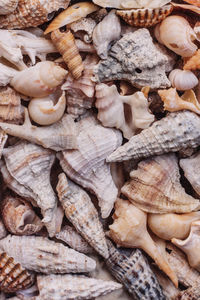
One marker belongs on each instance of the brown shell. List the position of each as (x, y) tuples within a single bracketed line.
[(13, 277), (145, 17)]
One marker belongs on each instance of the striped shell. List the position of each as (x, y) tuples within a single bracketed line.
[(145, 17)]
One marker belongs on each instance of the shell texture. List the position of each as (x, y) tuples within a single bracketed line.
[(83, 29), (190, 8), (155, 187), (193, 63), (84, 47), (86, 165), (195, 2), (3, 231), (136, 59), (183, 80), (8, 6), (127, 4), (31, 13), (197, 31), (145, 17), (67, 287), (3, 139), (191, 293), (45, 256), (102, 37), (6, 74), (132, 269), (174, 132)]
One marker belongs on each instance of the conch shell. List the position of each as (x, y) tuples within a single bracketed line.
[(8, 6), (176, 34), (127, 4), (155, 187), (193, 63), (183, 80), (129, 230)]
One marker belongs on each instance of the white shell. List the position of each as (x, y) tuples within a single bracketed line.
[(131, 3), (6, 74), (183, 80), (8, 6)]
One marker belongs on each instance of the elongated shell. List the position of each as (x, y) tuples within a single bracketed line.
[(127, 4), (155, 186), (174, 132), (8, 6), (183, 80), (43, 255)]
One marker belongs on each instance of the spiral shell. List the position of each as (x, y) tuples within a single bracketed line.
[(183, 80), (8, 6)]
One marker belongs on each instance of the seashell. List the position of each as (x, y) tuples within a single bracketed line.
[(71, 14), (3, 139), (73, 287), (183, 80), (176, 34), (83, 29), (127, 60), (65, 43), (176, 131), (77, 102), (30, 13), (133, 271), (3, 231), (84, 47), (102, 37), (6, 74), (197, 31), (168, 226), (122, 4), (126, 88), (191, 293), (8, 6), (13, 277), (70, 236), (45, 256), (195, 2), (45, 111), (86, 165), (11, 110), (19, 217), (58, 136), (145, 17), (155, 187), (186, 7), (81, 212), (40, 80), (112, 108), (129, 230), (193, 63)]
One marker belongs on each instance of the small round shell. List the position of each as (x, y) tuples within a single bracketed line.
[(183, 80)]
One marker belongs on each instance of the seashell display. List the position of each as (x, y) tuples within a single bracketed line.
[(83, 29), (8, 6), (111, 110), (46, 111), (102, 37), (81, 212), (6, 74), (145, 17), (128, 60), (71, 14), (193, 63), (31, 13), (129, 230), (19, 217), (191, 245), (183, 80), (176, 34), (73, 287), (40, 80), (70, 236), (86, 165), (13, 277), (168, 226), (155, 187), (122, 4), (174, 132), (66, 45), (45, 256), (58, 136)]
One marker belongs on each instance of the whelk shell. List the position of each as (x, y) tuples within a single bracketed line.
[(8, 6), (193, 63), (183, 80), (127, 4)]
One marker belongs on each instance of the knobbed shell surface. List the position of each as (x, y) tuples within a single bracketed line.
[(8, 6), (183, 80), (122, 4), (155, 187), (193, 63)]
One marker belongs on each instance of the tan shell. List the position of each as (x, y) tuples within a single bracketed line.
[(146, 17), (155, 187), (183, 80), (31, 13), (8, 6), (3, 231), (127, 4), (81, 212), (191, 293), (13, 277), (195, 2), (83, 29), (19, 217), (45, 256), (193, 63), (193, 8), (3, 139)]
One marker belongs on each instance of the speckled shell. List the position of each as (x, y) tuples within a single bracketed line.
[(31, 13), (81, 212), (192, 293), (8, 6), (146, 17), (176, 131), (43, 255), (68, 287), (13, 277), (131, 268)]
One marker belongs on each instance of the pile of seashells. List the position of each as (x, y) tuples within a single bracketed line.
[(99, 147)]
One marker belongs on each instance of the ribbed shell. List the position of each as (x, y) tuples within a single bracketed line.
[(8, 6), (81, 212), (146, 17), (176, 131), (132, 269)]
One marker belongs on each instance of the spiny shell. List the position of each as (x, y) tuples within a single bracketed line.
[(132, 269), (183, 80), (8, 6), (81, 212), (31, 13), (65, 43), (13, 277), (146, 17), (193, 63), (155, 187), (174, 132), (77, 287), (43, 255), (127, 4)]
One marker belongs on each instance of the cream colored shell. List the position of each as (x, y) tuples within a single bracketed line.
[(183, 80)]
